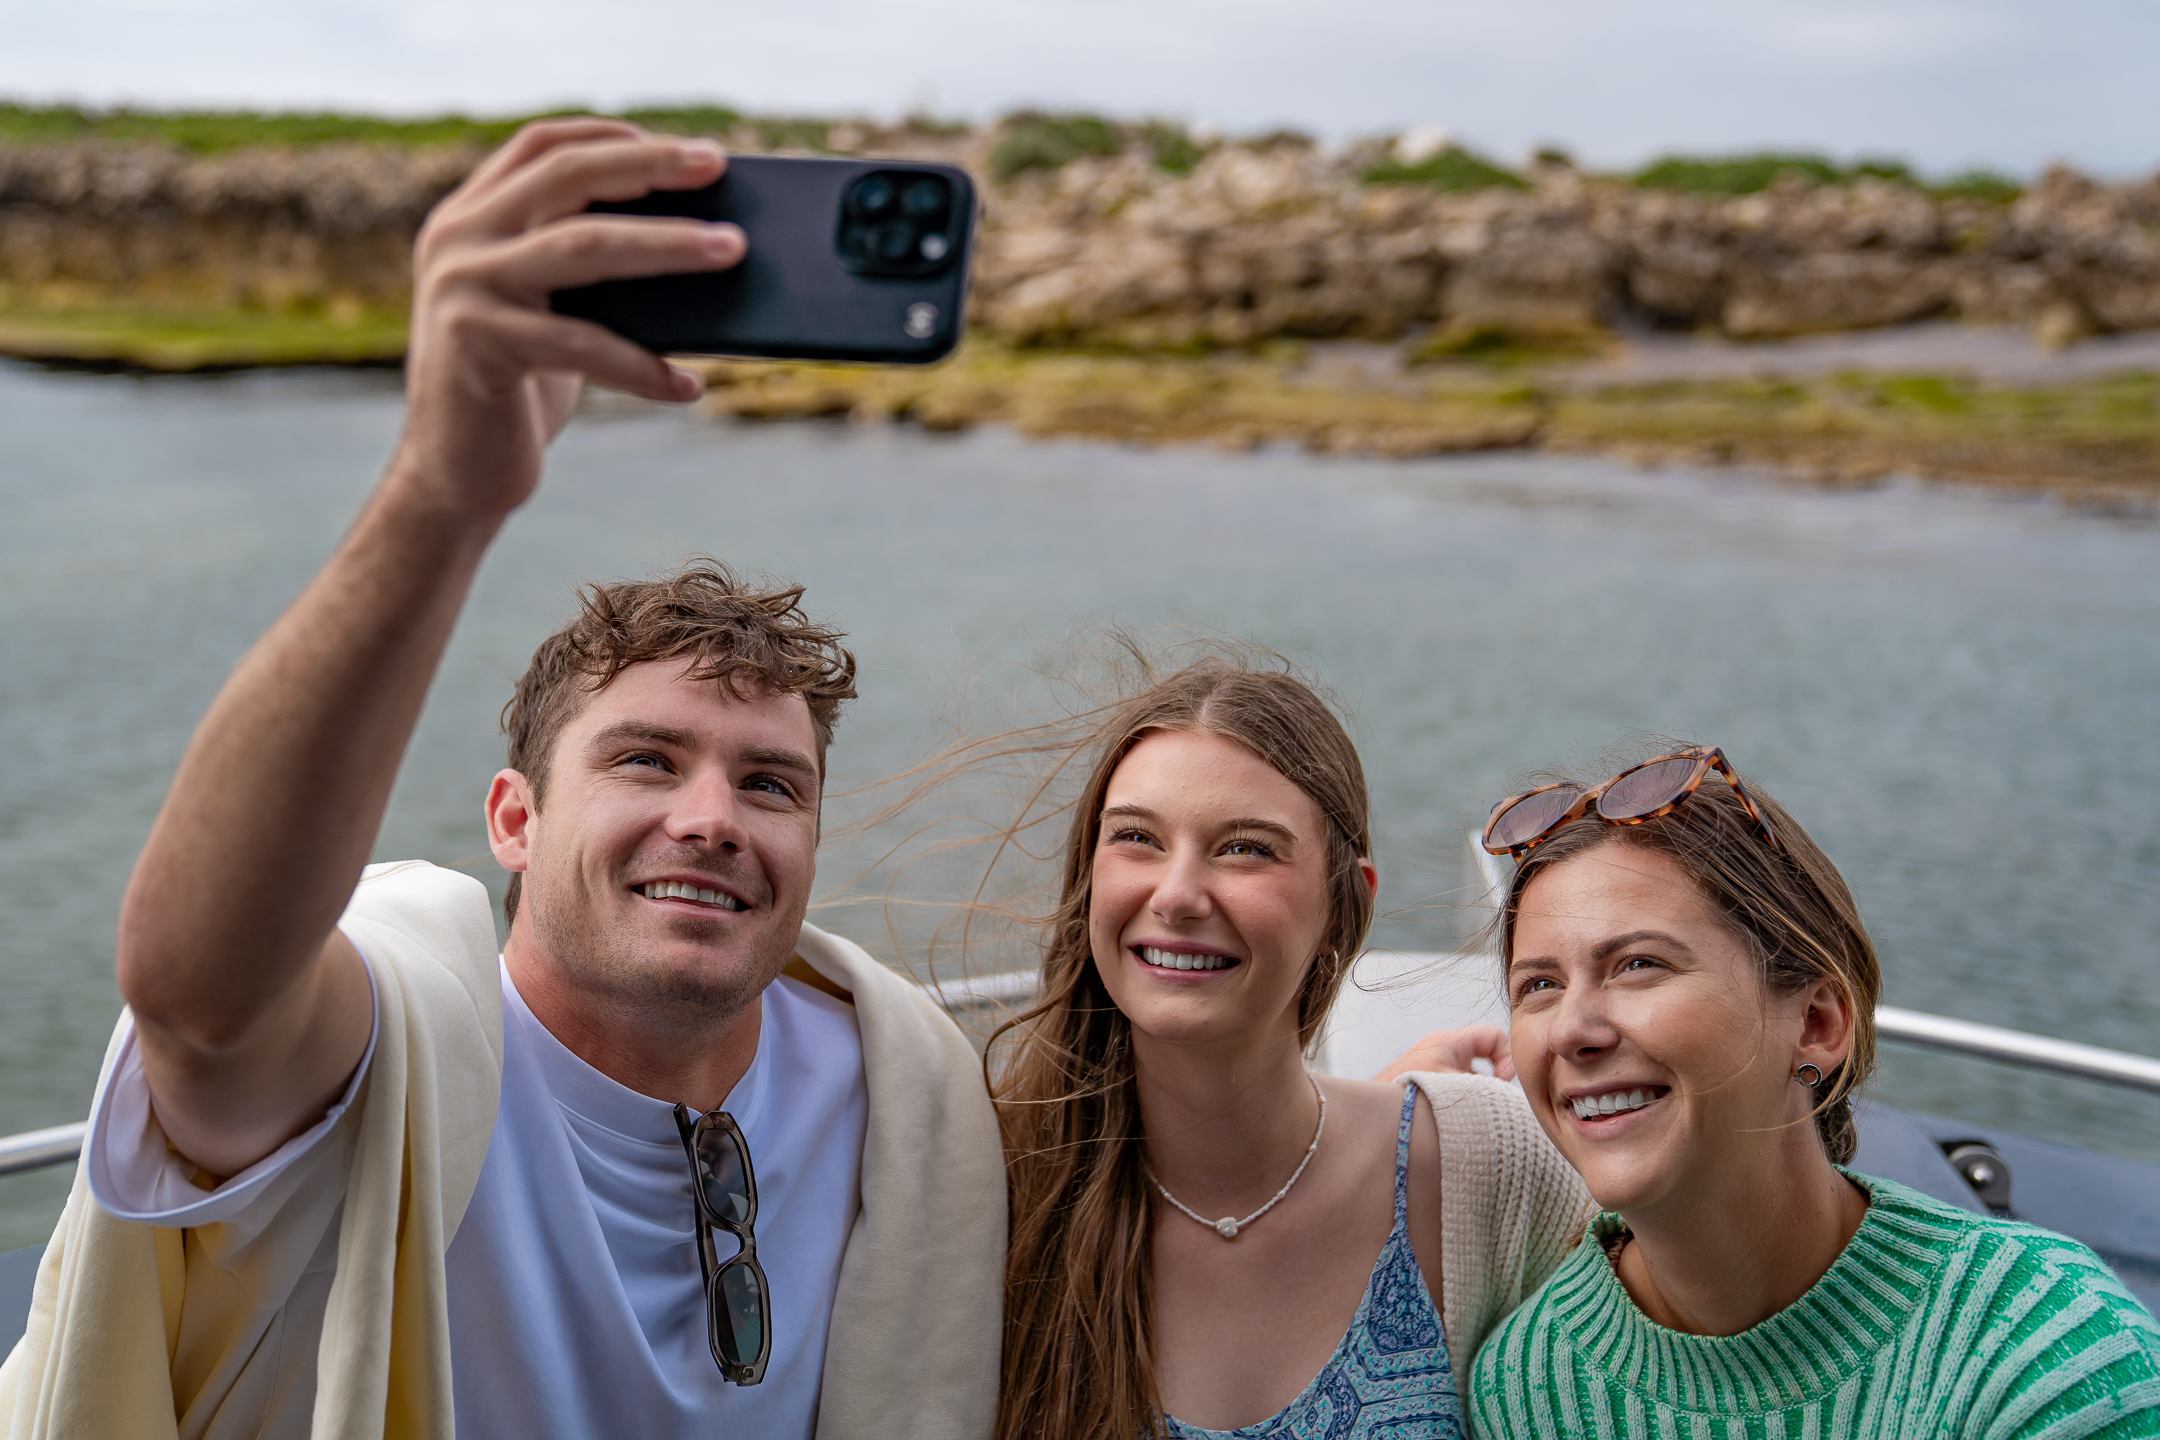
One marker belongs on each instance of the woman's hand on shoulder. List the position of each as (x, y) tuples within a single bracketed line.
[(1452, 1052)]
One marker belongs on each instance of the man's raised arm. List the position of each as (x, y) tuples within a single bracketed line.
[(251, 1009)]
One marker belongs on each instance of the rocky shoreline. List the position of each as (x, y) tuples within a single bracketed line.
[(1245, 244), (1191, 266), (1258, 244)]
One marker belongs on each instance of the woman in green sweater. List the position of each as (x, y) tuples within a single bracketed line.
[(1693, 994)]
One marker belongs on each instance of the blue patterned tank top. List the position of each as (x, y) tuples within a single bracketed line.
[(1390, 1378)]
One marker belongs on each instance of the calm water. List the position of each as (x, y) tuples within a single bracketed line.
[(1956, 693)]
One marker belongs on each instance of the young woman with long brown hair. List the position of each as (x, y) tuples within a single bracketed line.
[(1206, 1237)]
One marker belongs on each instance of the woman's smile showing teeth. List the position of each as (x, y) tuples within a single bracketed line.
[(1181, 960), (1616, 1102), (680, 890)]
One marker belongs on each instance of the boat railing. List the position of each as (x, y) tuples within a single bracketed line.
[(60, 1145), (38, 1149), (2016, 1047)]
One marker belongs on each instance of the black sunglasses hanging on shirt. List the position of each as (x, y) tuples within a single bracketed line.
[(723, 1188)]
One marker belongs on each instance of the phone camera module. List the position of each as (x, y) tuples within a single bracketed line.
[(898, 223)]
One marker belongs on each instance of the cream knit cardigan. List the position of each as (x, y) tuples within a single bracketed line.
[(1511, 1207), (912, 1352)]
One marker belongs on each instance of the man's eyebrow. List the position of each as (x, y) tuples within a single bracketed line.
[(642, 732), (780, 759), (628, 731)]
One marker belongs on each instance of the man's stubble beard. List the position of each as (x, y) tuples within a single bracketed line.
[(607, 960)]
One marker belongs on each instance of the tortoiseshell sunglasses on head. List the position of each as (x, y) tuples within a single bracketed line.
[(1522, 822)]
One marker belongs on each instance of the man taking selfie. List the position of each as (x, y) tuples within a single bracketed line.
[(676, 1163)]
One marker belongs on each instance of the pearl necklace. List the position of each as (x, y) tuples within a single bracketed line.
[(1227, 1227)]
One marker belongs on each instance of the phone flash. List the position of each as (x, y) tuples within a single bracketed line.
[(921, 319), (934, 247)]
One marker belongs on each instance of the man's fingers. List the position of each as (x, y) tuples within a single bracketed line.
[(568, 178), (473, 210), (605, 247), (538, 342), (1488, 1043), (1455, 1052), (539, 137)]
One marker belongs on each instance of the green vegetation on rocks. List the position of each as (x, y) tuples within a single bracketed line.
[(208, 132), (1749, 174), (1453, 168), (1978, 185), (1753, 173), (1173, 146), (1031, 141), (212, 132)]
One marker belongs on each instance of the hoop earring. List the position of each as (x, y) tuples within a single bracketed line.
[(1808, 1075)]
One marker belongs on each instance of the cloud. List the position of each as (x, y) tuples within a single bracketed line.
[(1995, 81)]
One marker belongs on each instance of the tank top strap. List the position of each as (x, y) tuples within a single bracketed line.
[(1402, 1153)]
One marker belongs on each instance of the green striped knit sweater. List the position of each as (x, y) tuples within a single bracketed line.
[(1934, 1322)]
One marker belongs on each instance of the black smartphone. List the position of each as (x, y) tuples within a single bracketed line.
[(849, 260)]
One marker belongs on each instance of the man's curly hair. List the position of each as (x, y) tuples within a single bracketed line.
[(704, 613)]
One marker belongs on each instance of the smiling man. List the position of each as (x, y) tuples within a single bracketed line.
[(675, 1162)]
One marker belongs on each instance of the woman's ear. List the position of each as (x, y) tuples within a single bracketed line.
[(1371, 873), (1826, 1026)]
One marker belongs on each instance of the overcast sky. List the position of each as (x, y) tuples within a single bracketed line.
[(2006, 83)]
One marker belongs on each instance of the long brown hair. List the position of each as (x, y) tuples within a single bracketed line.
[(1078, 1358), (1793, 911)]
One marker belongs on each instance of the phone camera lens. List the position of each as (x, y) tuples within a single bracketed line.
[(874, 196), (924, 197), (895, 241)]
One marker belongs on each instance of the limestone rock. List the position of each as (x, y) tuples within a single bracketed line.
[(1256, 242)]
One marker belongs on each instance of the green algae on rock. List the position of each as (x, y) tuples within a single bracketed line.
[(180, 339), (2093, 437)]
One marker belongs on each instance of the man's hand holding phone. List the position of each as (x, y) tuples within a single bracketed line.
[(491, 372), (252, 1008)]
